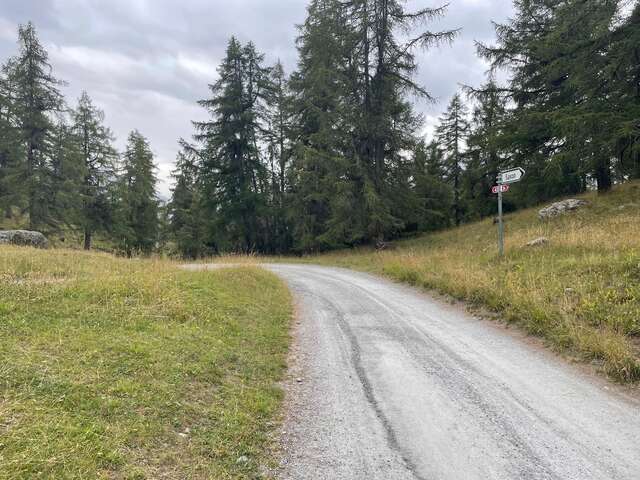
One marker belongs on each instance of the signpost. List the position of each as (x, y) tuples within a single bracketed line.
[(510, 176), (504, 180)]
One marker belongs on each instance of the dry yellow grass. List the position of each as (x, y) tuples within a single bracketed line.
[(581, 292)]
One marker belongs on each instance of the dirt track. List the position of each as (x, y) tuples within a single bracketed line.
[(391, 384)]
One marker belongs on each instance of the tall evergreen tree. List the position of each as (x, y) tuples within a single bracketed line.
[(353, 174), (556, 52), (433, 194), (277, 133), (11, 145), (35, 96), (98, 158), (623, 93), (232, 170), (138, 204), (321, 134), (452, 135), (67, 176), (186, 222), (387, 124), (485, 156)]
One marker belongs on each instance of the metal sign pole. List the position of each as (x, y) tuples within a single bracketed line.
[(500, 224), (505, 179)]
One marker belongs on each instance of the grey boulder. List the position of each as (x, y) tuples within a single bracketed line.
[(23, 238), (560, 208), (538, 242)]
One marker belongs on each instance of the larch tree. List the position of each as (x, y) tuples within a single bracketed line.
[(232, 171), (623, 76), (320, 134), (35, 98), (98, 159), (434, 196), (138, 205), (452, 133), (67, 173), (11, 145), (187, 225), (556, 53), (485, 156), (387, 125), (277, 136)]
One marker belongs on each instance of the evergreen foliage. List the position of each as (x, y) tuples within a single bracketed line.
[(186, 220), (333, 155), (97, 166), (451, 136), (33, 94), (234, 176), (138, 204)]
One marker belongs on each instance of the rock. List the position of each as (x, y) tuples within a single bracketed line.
[(538, 242), (560, 208), (243, 460), (627, 206), (381, 246), (23, 238)]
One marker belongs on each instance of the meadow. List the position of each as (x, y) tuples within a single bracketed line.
[(580, 292), (134, 369)]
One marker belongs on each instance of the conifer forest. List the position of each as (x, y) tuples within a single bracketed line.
[(334, 153)]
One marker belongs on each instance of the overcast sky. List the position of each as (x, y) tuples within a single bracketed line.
[(147, 62)]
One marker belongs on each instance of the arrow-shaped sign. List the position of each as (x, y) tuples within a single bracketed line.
[(510, 176)]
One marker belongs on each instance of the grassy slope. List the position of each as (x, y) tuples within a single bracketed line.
[(581, 292), (133, 369)]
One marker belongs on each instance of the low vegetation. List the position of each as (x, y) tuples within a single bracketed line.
[(131, 369), (580, 292)]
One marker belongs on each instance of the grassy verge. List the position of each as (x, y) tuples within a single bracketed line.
[(581, 292), (134, 369)]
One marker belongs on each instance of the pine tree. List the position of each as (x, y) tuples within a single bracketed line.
[(556, 51), (320, 158), (485, 156), (138, 204), (67, 175), (452, 135), (352, 181), (98, 158), (277, 133), (186, 222), (623, 93), (11, 146), (434, 195), (35, 97), (232, 172), (581, 42), (387, 124)]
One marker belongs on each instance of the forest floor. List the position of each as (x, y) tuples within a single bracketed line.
[(580, 292), (122, 369)]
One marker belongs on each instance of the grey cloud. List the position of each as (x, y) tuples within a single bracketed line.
[(147, 62)]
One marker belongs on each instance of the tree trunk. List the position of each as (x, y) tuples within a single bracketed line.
[(87, 240), (603, 175)]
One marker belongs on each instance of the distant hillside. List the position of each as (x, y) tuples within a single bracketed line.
[(580, 291)]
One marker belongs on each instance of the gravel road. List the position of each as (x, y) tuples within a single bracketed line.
[(388, 383)]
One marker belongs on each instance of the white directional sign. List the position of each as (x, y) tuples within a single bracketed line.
[(511, 176)]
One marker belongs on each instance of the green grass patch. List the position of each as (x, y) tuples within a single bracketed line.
[(132, 369), (581, 292)]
